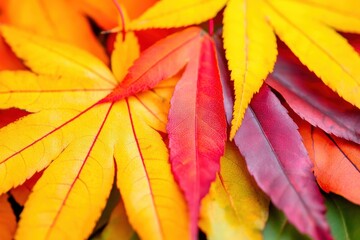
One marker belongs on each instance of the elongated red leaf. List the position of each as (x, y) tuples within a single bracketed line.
[(336, 162), (163, 60), (276, 157), (197, 128), (312, 100)]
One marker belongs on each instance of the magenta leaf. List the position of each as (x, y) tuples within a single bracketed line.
[(312, 100), (276, 157)]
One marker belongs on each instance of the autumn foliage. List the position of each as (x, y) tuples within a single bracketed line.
[(210, 119)]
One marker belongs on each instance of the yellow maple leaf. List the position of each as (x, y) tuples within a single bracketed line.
[(76, 140)]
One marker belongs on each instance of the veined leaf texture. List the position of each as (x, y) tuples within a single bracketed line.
[(162, 119)]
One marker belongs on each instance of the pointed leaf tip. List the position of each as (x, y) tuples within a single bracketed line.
[(269, 137), (160, 61), (250, 47), (312, 100), (170, 14), (197, 127)]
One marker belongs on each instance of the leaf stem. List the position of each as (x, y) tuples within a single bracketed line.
[(117, 5), (211, 27)]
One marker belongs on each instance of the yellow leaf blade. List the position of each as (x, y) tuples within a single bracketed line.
[(341, 15), (31, 92), (169, 14), (79, 179), (250, 46), (7, 219), (118, 226), (235, 207), (23, 153), (56, 19), (146, 183), (35, 140), (49, 57), (126, 49), (321, 49), (153, 106), (124, 54)]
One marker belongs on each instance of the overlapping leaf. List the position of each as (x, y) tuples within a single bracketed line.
[(342, 218), (235, 207), (146, 183), (8, 60), (163, 60), (339, 15), (337, 58), (104, 12), (340, 215), (7, 219), (280, 165), (56, 19), (60, 59), (312, 100), (21, 193), (336, 162), (83, 125), (250, 44), (197, 127), (73, 136), (250, 47), (8, 116), (279, 228), (118, 226), (126, 49), (168, 14)]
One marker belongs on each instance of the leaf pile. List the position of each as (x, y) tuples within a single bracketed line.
[(194, 131)]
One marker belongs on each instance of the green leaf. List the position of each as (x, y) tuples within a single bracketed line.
[(343, 217), (279, 228)]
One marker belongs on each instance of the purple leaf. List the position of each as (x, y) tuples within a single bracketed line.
[(276, 157), (312, 100)]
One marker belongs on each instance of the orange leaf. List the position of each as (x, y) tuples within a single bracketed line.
[(135, 9), (7, 219), (56, 19), (21, 193), (103, 12), (336, 162), (8, 60)]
